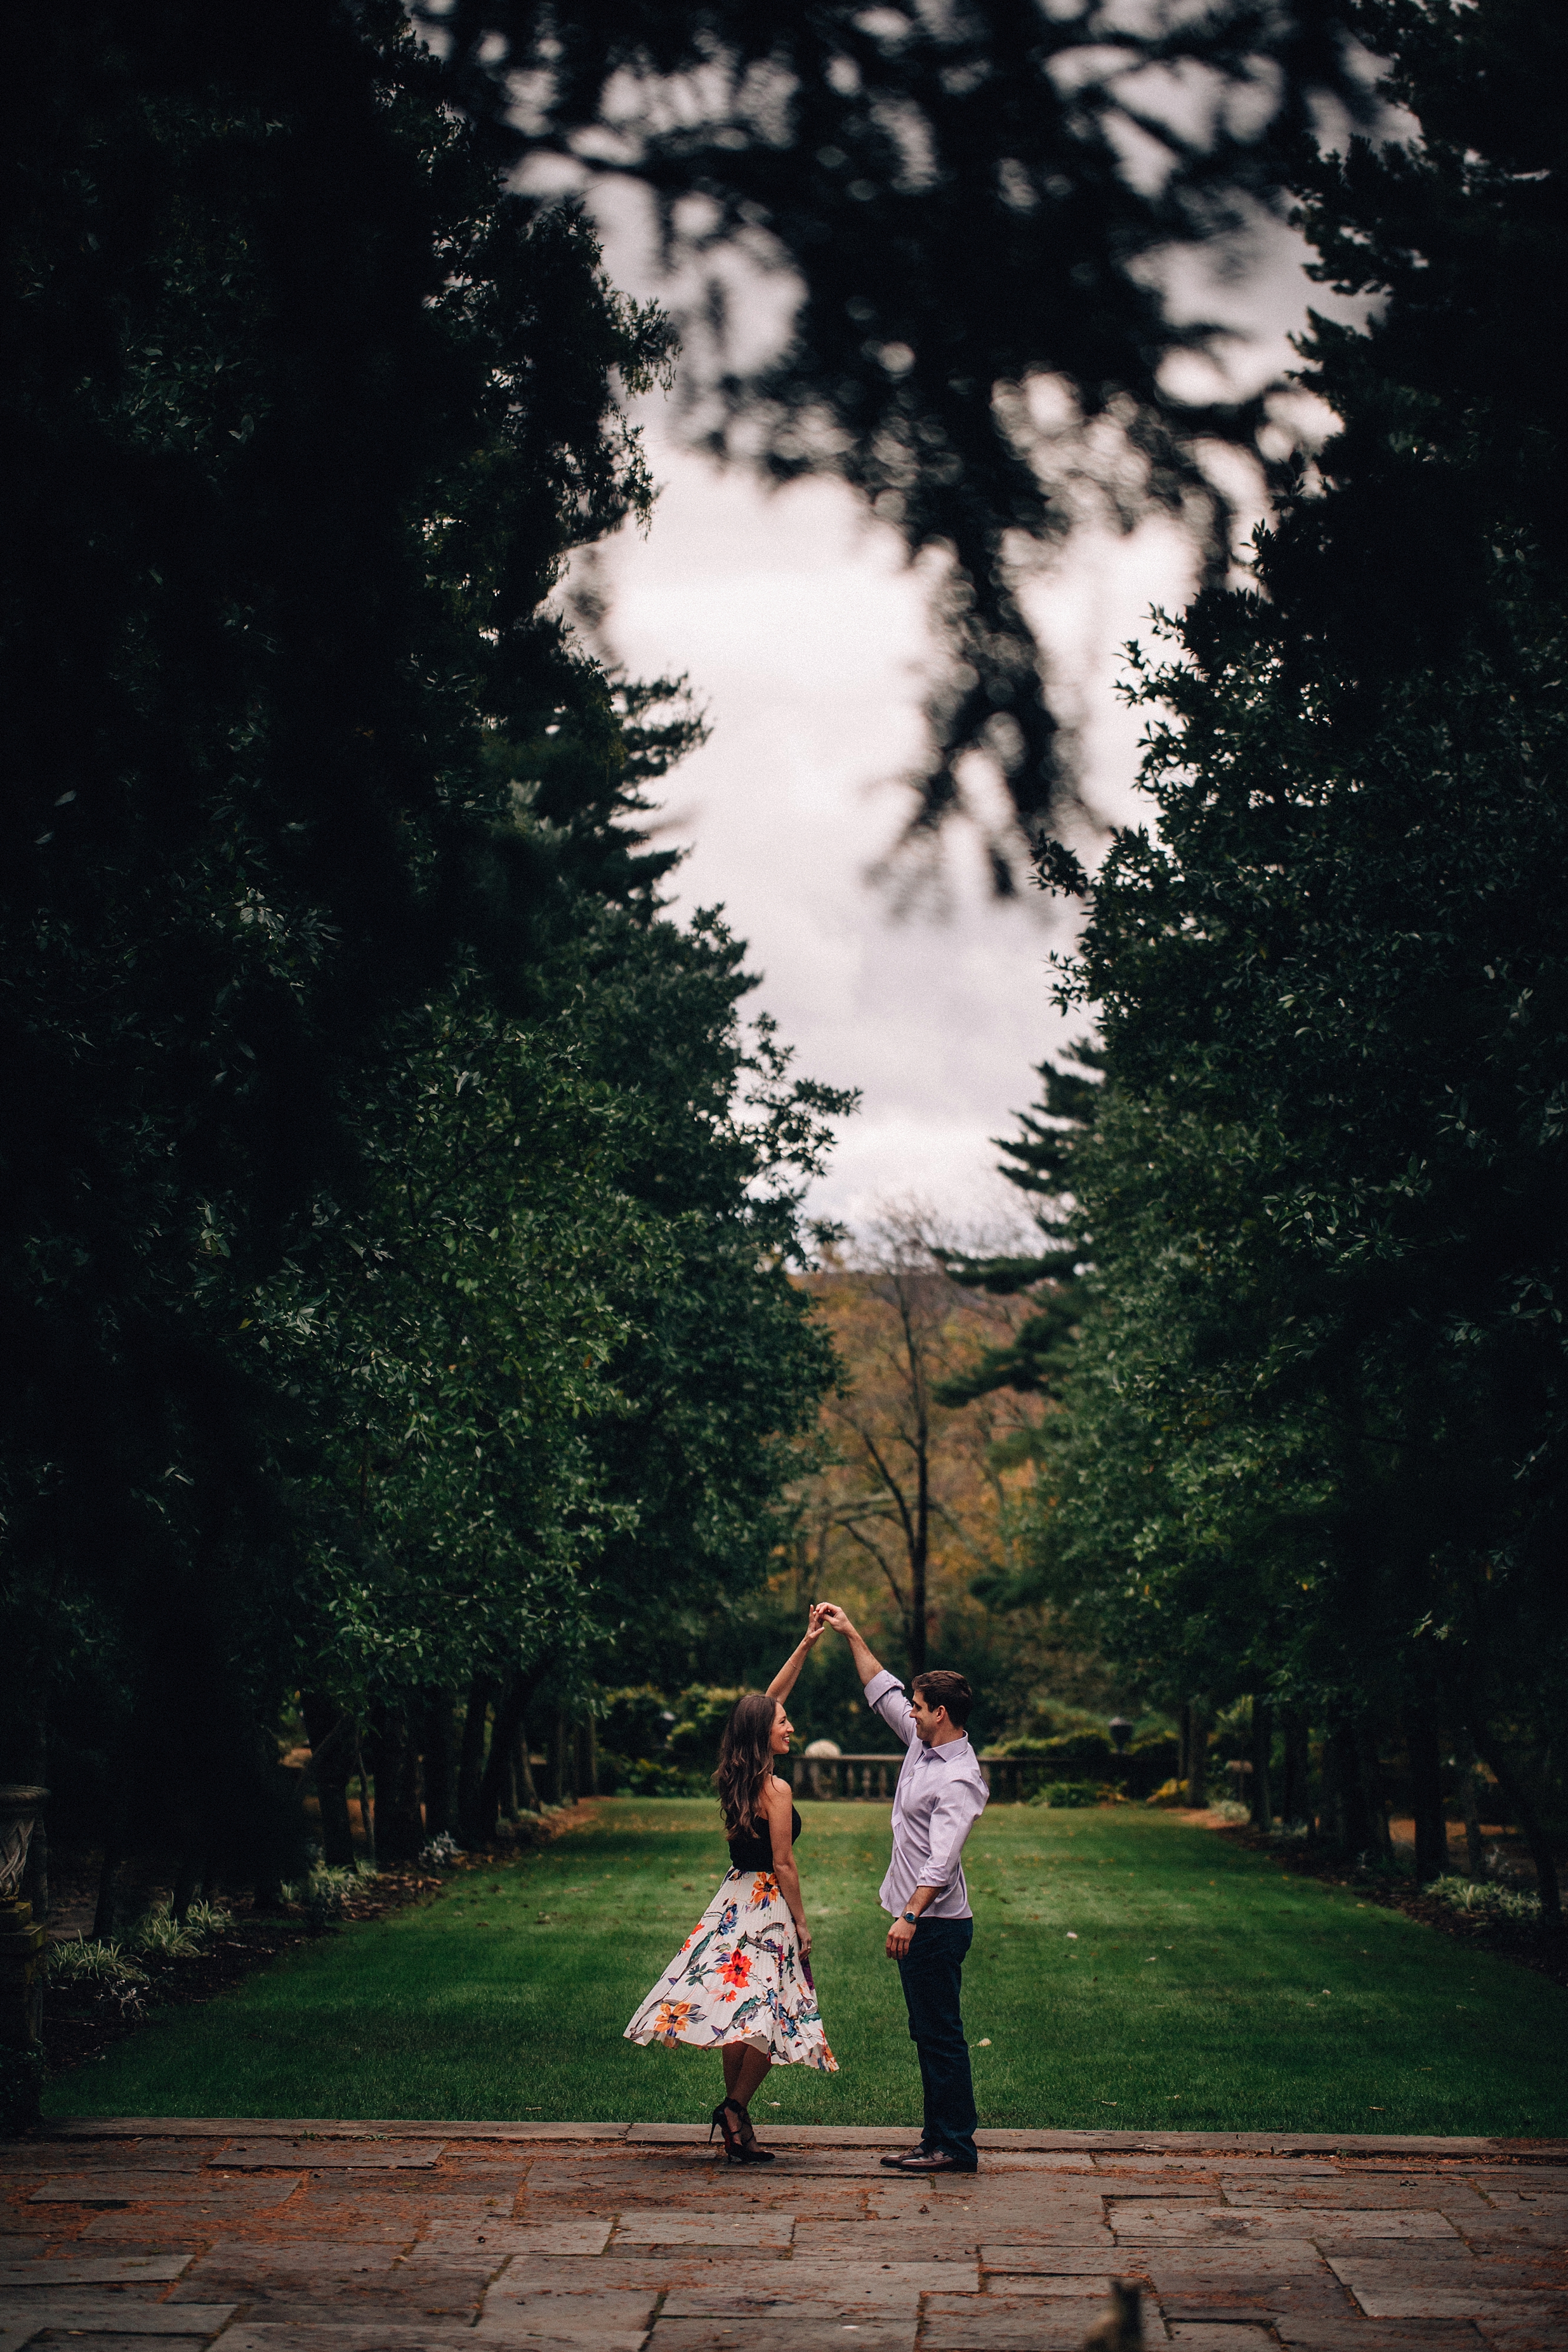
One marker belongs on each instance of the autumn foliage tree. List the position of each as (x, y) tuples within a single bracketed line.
[(919, 1497)]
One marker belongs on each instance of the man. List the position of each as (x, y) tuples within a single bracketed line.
[(941, 1795)]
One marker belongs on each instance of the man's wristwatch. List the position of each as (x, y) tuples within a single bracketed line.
[(913, 1917)]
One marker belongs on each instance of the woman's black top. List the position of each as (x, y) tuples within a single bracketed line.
[(753, 1849)]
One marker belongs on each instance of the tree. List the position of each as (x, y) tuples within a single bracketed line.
[(322, 943), (917, 1487), (1041, 1169), (1318, 1427), (720, 1365), (309, 414), (978, 205), (557, 1382)]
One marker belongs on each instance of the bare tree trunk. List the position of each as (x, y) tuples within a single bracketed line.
[(34, 1756), (1355, 1834), (1427, 1789), (1295, 1805), (1524, 1810), (1184, 1739), (329, 1732), (471, 1762), (440, 1764), (188, 1877), (919, 1558), (916, 1527), (197, 1826), (1335, 1823), (1470, 1800), (525, 1789), (367, 1804), (1377, 1791), (587, 1758), (399, 1829), (510, 1712), (1197, 1755), (103, 1914), (1262, 1747)]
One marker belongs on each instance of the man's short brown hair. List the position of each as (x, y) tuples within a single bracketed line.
[(941, 1687)]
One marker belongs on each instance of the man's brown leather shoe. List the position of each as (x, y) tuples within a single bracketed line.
[(893, 2162), (932, 2159)]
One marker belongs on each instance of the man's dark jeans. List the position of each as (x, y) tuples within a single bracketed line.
[(932, 1973)]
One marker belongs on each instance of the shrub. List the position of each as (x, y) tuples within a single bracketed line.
[(701, 1714), (631, 1722), (531, 1832), (324, 1894), (1151, 1761), (207, 1919), (1484, 1895), (100, 1968), (160, 1937), (647, 1775), (157, 1935), (1058, 1794), (1092, 1755)]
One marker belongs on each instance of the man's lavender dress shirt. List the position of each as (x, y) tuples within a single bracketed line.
[(940, 1795)]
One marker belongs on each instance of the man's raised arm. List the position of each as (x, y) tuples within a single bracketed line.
[(883, 1691), (866, 1665)]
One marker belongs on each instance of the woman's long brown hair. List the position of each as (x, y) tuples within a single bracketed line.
[(744, 1761)]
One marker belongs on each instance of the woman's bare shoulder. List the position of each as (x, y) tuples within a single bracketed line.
[(777, 1795)]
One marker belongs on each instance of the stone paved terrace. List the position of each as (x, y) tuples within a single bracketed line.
[(168, 2236)]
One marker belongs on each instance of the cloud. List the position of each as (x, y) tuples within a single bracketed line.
[(804, 632)]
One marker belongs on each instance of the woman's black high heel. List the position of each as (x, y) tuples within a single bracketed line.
[(749, 2151), (737, 2151)]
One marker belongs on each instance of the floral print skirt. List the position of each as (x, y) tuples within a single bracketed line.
[(739, 1976)]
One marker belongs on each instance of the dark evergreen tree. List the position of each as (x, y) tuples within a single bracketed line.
[(1317, 1443), (309, 783), (1042, 1159)]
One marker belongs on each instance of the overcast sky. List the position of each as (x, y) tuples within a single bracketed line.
[(803, 634)]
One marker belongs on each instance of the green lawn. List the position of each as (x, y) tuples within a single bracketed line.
[(1205, 1989)]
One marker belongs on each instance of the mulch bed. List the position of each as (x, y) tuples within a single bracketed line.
[(1511, 1940), (79, 2027)]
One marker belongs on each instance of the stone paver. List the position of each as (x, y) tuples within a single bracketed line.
[(744, 2231), (95, 2270), (311, 2156), (80, 2315), (173, 2235)]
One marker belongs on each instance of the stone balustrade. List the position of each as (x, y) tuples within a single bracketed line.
[(1010, 1779)]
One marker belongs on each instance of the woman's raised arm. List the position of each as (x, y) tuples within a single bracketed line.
[(788, 1673)]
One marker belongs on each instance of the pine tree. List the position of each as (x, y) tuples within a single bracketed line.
[(1039, 1161)]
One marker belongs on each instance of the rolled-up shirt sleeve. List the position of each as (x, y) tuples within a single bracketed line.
[(953, 1816), (884, 1696)]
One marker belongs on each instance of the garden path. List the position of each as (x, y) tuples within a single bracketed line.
[(146, 2235)]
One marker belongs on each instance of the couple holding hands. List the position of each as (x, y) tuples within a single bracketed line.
[(741, 1983)]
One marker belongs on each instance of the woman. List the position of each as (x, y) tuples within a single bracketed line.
[(741, 1982)]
